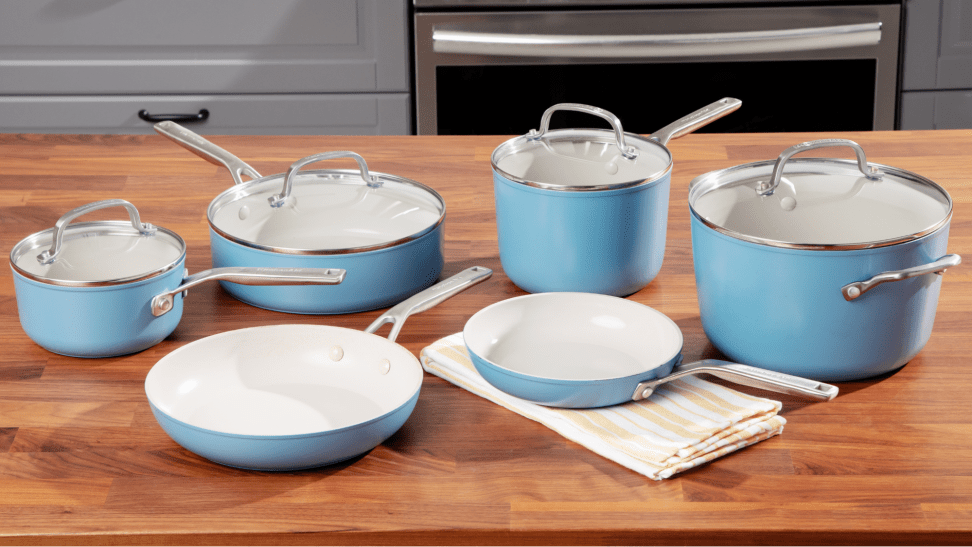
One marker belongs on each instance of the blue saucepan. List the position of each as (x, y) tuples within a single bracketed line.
[(819, 267), (580, 350), (384, 230), (287, 397), (586, 210), (98, 289)]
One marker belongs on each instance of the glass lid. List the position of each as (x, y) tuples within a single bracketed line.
[(820, 203), (98, 253), (581, 159), (326, 212)]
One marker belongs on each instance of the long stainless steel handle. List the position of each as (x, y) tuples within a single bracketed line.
[(700, 118), (745, 375), (57, 236), (428, 298), (163, 303), (470, 42), (854, 290), (206, 150)]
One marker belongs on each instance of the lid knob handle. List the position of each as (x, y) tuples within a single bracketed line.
[(281, 198), (627, 151), (57, 235), (766, 188)]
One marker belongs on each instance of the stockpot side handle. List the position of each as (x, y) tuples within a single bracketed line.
[(852, 291), (745, 375), (698, 119), (206, 150), (279, 199), (57, 236), (627, 151), (765, 188), (429, 298), (163, 303)]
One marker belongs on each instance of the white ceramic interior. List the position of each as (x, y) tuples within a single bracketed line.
[(283, 380), (573, 336)]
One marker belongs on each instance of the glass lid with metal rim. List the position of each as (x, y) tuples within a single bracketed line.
[(820, 203), (581, 159), (98, 253), (324, 212)]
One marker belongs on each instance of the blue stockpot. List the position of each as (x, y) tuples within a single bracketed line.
[(608, 242), (567, 393), (97, 321), (825, 272), (377, 278), (782, 309), (286, 452)]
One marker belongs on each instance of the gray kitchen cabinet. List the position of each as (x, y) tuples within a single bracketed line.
[(937, 65), (256, 66)]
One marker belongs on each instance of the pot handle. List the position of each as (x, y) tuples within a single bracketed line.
[(765, 188), (206, 150), (57, 236), (627, 151), (429, 298), (163, 303), (745, 375), (856, 289), (279, 199), (700, 118)]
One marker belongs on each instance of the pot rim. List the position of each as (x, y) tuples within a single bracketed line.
[(334, 176), (102, 228), (603, 136), (709, 181)]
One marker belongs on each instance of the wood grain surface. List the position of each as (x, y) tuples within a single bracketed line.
[(83, 461)]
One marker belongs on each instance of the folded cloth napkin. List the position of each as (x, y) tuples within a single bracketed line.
[(684, 423)]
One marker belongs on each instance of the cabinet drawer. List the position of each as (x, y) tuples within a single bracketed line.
[(202, 46), (298, 114), (936, 110)]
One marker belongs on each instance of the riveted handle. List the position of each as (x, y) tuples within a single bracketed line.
[(852, 291), (281, 198), (206, 150), (627, 151), (50, 255), (745, 375), (765, 188)]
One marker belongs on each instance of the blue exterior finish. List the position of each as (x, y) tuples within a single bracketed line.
[(286, 452), (375, 279), (608, 242), (782, 309), (97, 321), (566, 393)]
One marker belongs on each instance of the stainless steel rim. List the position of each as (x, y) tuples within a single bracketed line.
[(709, 181), (104, 228), (331, 176), (515, 144)]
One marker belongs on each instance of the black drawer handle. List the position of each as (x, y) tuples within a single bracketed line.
[(154, 118)]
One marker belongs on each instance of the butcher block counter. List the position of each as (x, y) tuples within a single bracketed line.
[(83, 460)]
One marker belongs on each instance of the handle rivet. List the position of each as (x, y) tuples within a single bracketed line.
[(384, 366), (336, 353), (853, 292)]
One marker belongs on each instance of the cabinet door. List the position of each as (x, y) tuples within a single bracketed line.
[(296, 114), (938, 45), (202, 46)]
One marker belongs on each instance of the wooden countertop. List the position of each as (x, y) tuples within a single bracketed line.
[(82, 460)]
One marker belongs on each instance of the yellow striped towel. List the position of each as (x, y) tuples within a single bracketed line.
[(685, 423)]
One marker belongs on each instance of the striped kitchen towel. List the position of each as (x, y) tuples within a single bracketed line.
[(684, 423)]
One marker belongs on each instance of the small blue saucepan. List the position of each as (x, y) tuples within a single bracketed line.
[(287, 397), (385, 231), (579, 350), (586, 210), (99, 289)]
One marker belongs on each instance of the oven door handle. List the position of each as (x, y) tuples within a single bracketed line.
[(471, 42)]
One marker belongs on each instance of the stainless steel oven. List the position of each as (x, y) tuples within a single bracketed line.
[(493, 67)]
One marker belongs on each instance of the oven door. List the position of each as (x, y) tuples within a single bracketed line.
[(796, 68)]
